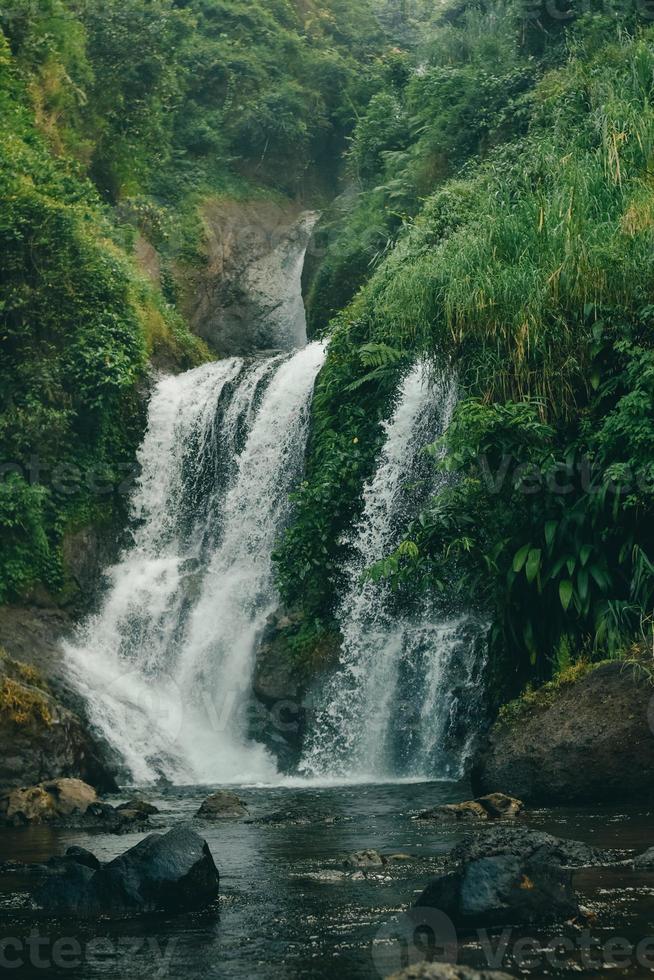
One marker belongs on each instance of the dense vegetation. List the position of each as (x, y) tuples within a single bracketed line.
[(118, 117), (503, 224), (496, 215)]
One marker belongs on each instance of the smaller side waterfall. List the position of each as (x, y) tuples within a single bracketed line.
[(165, 666), (389, 709)]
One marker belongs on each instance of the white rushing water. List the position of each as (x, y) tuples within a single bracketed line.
[(165, 666), (391, 708)]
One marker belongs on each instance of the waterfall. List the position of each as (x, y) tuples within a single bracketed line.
[(405, 679), (165, 665)]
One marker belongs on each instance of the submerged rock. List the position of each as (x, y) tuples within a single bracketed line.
[(447, 971), (47, 802), (138, 806), (501, 879), (111, 820), (174, 872), (590, 740), (80, 855), (328, 876), (222, 805), (364, 859), (644, 861), (494, 806)]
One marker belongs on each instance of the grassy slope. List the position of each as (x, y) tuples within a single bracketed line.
[(515, 192)]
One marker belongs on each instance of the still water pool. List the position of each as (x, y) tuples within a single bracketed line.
[(286, 910)]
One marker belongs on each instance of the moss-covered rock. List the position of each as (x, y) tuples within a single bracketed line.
[(587, 739), (42, 739)]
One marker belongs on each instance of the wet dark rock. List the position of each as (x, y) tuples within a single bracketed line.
[(645, 860), (525, 841), (174, 872), (222, 805), (282, 681), (506, 878), (109, 819), (138, 806), (282, 818), (80, 855), (494, 806), (586, 741), (294, 818), (328, 876), (447, 971), (364, 859)]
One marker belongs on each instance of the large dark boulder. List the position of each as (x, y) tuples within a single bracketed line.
[(587, 741), (174, 872), (506, 877)]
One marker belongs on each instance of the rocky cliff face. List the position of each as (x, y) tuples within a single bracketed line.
[(248, 296), (42, 738)]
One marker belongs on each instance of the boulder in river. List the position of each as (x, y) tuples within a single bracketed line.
[(173, 872), (587, 740), (645, 861), (494, 806), (47, 802), (503, 879), (364, 859), (109, 819), (138, 806), (222, 805)]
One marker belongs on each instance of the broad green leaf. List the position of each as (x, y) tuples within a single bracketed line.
[(550, 532), (533, 564), (600, 577), (585, 552), (566, 590), (520, 558)]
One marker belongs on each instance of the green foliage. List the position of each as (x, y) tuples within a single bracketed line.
[(160, 103), (528, 267), (76, 324)]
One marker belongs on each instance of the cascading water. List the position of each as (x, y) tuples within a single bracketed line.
[(391, 708), (166, 664)]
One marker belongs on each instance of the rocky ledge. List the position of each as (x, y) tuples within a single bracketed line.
[(41, 737), (590, 740)]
